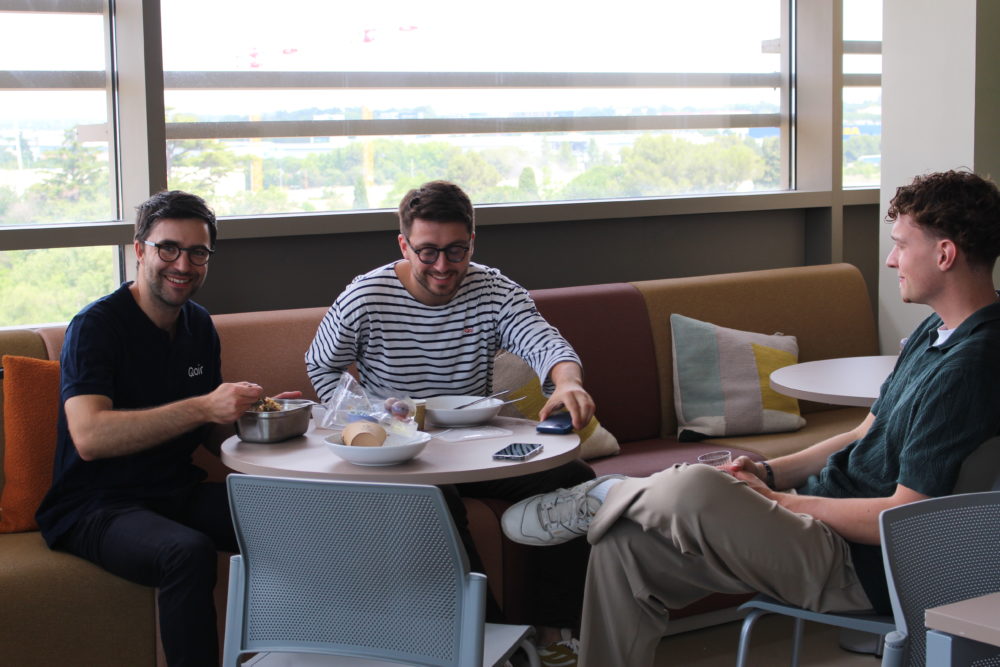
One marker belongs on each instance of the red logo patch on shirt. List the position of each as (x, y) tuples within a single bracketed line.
[(468, 330)]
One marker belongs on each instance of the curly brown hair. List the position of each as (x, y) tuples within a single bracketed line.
[(955, 205), (436, 201)]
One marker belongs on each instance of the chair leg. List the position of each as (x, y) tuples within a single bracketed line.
[(800, 625), (748, 623)]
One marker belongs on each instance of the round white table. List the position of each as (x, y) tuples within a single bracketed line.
[(845, 381), (440, 462)]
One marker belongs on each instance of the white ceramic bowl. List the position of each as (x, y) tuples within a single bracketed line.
[(396, 449), (441, 410)]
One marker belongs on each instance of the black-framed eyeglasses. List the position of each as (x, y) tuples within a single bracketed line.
[(454, 253), (169, 252)]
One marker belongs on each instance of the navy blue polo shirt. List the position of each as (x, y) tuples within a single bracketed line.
[(113, 349)]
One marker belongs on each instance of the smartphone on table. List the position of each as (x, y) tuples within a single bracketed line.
[(518, 451)]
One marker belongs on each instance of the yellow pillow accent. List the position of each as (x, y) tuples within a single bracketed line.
[(511, 372), (769, 360)]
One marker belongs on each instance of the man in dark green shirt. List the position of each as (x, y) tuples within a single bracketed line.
[(804, 527)]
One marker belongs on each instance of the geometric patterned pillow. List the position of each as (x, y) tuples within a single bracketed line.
[(721, 382)]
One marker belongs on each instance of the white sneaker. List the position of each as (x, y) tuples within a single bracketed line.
[(555, 517), (563, 653)]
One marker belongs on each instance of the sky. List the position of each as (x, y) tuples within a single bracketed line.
[(434, 35), (472, 35)]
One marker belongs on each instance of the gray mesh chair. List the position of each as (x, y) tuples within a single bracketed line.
[(761, 605), (355, 570), (980, 471), (936, 552)]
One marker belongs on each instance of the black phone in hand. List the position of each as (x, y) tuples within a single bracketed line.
[(558, 422)]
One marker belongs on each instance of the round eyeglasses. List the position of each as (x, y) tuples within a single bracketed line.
[(454, 253), (169, 252)]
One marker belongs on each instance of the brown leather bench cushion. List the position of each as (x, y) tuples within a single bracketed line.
[(269, 347), (608, 327), (643, 458), (46, 594)]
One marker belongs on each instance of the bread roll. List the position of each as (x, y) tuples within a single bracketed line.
[(363, 434)]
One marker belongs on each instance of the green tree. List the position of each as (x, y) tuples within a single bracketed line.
[(397, 161), (595, 156), (360, 194), (472, 172), (197, 165), (508, 161), (7, 199), (527, 190), (77, 187), (8, 160), (566, 159), (338, 167), (723, 165), (333, 200), (857, 145), (27, 155), (602, 181), (664, 164), (245, 202), (770, 152), (528, 184), (863, 171), (401, 187), (51, 285)]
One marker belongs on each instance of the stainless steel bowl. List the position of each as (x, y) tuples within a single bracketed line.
[(291, 421)]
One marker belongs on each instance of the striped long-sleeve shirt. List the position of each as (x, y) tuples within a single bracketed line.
[(405, 348)]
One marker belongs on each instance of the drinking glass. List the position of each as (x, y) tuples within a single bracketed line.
[(716, 459)]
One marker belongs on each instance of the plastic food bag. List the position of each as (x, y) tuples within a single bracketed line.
[(350, 403)]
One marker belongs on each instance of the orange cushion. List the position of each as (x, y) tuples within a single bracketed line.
[(31, 413)]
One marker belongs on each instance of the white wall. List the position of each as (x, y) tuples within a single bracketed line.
[(940, 104)]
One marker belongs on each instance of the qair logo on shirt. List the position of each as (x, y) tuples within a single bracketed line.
[(195, 371), (469, 330)]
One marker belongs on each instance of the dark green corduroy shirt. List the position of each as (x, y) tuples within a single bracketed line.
[(935, 408)]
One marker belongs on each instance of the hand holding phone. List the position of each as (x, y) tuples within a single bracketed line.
[(518, 451), (557, 422)]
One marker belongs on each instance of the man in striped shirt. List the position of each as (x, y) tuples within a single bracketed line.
[(430, 325)]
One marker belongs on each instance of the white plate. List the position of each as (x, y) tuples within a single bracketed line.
[(441, 410), (396, 449)]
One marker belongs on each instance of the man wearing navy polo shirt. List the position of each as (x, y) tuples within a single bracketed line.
[(140, 385)]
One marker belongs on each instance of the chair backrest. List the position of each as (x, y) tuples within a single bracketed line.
[(981, 469), (936, 552), (349, 568)]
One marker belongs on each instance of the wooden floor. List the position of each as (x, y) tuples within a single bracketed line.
[(770, 647)]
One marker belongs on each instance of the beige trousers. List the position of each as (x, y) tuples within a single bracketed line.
[(665, 541)]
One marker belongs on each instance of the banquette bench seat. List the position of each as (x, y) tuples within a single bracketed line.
[(58, 609)]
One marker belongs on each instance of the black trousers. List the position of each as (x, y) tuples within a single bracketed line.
[(169, 544), (556, 574)]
